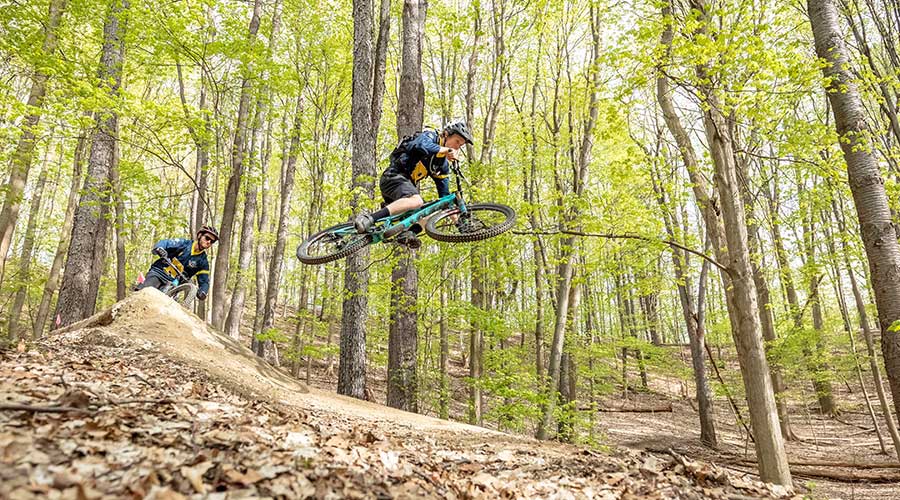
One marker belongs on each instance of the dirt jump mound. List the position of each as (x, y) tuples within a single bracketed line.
[(152, 318)]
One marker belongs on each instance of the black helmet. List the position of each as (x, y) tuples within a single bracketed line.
[(210, 231), (459, 127)]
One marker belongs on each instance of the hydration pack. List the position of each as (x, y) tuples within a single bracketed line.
[(403, 148)]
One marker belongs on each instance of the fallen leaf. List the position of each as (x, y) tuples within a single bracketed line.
[(390, 460), (195, 475), (247, 478)]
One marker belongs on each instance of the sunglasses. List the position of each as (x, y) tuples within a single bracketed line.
[(208, 238)]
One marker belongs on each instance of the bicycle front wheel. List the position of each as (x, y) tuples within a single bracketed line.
[(184, 294), (332, 244), (480, 222)]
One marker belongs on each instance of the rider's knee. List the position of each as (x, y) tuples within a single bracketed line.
[(417, 200)]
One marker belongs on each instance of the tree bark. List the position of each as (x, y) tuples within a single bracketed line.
[(867, 334), (287, 190), (22, 156), (24, 277), (352, 369), (229, 210), (403, 339), (746, 327), (876, 227), (84, 263), (402, 335)]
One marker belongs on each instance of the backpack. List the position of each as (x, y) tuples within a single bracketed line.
[(403, 148)]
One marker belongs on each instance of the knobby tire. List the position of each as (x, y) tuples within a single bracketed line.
[(509, 219)]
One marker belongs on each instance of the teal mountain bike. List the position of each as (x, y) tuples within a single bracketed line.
[(452, 221)]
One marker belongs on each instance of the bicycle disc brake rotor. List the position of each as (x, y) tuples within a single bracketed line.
[(469, 224)]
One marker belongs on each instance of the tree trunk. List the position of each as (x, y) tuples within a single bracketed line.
[(84, 263), (404, 277), (837, 282), (403, 339), (476, 339), (866, 184), (867, 334), (287, 190), (119, 228), (248, 228), (444, 395), (817, 353), (229, 210), (265, 144), (767, 321), (747, 330), (566, 266), (24, 277), (22, 156), (352, 369), (52, 285), (693, 322)]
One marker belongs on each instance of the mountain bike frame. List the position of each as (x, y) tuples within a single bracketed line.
[(396, 224)]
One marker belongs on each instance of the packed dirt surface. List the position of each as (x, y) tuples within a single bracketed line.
[(145, 401)]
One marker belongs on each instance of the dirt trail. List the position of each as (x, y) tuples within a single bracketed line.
[(145, 400)]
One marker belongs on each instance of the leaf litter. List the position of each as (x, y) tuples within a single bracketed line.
[(141, 424)]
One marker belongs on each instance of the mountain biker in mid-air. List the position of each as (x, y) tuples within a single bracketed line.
[(189, 256), (426, 153)]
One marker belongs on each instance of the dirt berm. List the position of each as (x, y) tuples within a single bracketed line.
[(155, 321)]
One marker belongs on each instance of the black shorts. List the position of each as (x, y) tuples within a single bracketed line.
[(395, 186)]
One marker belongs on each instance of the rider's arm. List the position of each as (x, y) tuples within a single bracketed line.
[(442, 180), (173, 246), (203, 280)]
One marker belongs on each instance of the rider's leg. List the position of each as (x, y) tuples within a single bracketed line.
[(152, 281), (399, 193)]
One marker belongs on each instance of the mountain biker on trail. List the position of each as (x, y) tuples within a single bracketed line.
[(189, 256), (426, 153)]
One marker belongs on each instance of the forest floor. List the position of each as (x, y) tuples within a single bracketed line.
[(145, 401)]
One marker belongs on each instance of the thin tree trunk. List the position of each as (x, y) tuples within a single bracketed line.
[(84, 263), (818, 366), (837, 280), (693, 322), (566, 267), (119, 228), (444, 395), (230, 208), (476, 339), (248, 228), (287, 190), (25, 258), (22, 156), (402, 381), (53, 279), (746, 327)]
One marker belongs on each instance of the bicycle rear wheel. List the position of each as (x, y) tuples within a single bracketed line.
[(332, 244), (184, 294), (480, 222)]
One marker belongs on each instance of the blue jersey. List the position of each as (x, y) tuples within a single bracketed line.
[(187, 257), (419, 157)]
